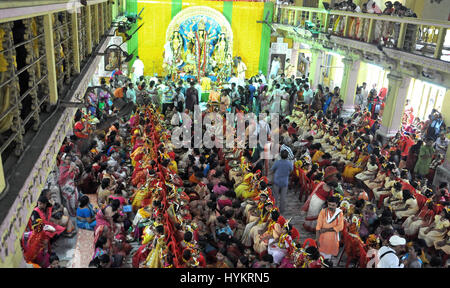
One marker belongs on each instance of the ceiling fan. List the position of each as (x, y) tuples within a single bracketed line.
[(266, 21)]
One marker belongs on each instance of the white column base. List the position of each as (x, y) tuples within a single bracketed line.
[(442, 173)]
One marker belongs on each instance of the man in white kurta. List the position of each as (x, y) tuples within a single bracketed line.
[(138, 69), (241, 68)]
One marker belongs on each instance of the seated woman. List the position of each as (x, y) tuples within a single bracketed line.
[(44, 211), (379, 180), (104, 191), (351, 169), (272, 230), (395, 196), (370, 172), (85, 214), (444, 244), (438, 229), (245, 186), (424, 218), (281, 246), (258, 224), (408, 206), (388, 183)]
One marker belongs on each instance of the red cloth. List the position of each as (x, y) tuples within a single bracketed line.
[(46, 220)]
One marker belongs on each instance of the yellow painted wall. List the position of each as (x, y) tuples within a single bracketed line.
[(157, 16), (247, 33), (446, 108)]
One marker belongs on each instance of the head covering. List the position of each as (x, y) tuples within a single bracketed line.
[(397, 241), (372, 240), (330, 171)]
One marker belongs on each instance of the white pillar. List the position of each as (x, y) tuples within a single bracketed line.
[(349, 82), (315, 70), (394, 104)]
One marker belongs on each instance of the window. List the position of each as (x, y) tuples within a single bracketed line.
[(424, 97)]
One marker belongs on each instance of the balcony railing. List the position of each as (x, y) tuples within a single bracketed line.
[(427, 38)]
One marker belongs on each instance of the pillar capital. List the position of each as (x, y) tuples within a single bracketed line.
[(394, 76), (348, 61)]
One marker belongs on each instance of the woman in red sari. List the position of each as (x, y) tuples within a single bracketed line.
[(68, 171), (43, 212), (36, 248)]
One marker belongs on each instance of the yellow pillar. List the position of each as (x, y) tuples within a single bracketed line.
[(401, 36), (75, 44), (395, 104), (96, 25), (445, 111), (89, 29), (440, 42), (50, 56), (101, 21), (2, 177), (371, 32)]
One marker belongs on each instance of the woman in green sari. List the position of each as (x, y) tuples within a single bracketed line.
[(425, 156)]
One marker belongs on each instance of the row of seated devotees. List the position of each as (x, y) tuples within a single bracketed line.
[(198, 209)]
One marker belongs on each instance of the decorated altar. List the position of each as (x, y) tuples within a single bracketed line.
[(199, 44)]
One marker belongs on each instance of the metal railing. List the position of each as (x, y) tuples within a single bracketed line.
[(419, 36), (24, 82)]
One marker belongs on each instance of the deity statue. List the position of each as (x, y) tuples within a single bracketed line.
[(201, 49), (176, 44), (221, 51), (189, 59)]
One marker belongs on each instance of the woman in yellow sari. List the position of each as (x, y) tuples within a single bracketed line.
[(352, 169), (272, 230), (154, 258), (257, 225), (245, 186)]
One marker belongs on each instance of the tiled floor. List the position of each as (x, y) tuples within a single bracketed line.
[(76, 252), (293, 207)]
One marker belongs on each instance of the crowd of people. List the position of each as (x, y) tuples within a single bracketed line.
[(226, 208)]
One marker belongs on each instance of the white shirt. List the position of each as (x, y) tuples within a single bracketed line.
[(234, 80), (263, 78), (389, 260), (138, 66), (308, 96)]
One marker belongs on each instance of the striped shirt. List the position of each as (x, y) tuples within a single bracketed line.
[(289, 150)]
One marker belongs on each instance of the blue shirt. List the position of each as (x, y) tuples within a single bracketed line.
[(252, 90), (227, 230), (283, 169)]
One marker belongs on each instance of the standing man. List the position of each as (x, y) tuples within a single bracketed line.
[(282, 169), (137, 69), (168, 96), (307, 94), (131, 93), (252, 90), (388, 252), (329, 223), (241, 68), (191, 97), (274, 67)]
